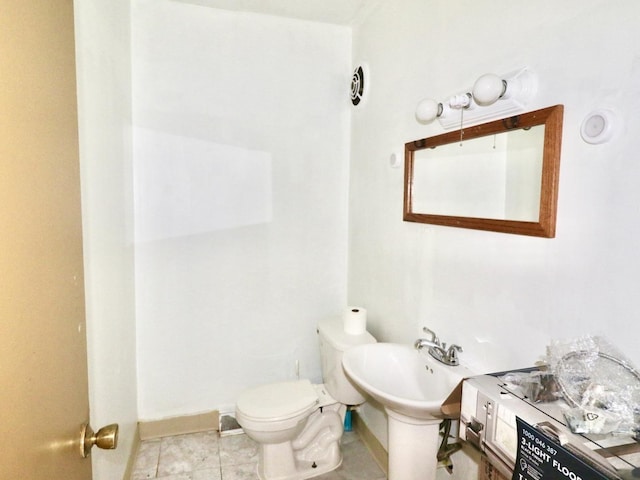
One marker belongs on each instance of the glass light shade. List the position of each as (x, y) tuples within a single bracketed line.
[(488, 89), (428, 110)]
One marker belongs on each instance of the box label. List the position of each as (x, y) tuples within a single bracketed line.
[(540, 457)]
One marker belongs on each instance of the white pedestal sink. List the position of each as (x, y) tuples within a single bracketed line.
[(412, 386)]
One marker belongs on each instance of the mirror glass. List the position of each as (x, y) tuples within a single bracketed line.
[(502, 176), (497, 176)]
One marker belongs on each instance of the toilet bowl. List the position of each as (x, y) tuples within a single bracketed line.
[(298, 425)]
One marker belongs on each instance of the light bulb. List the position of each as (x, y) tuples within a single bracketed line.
[(428, 110), (488, 89)]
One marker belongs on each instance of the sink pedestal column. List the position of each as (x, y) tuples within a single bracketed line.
[(413, 447)]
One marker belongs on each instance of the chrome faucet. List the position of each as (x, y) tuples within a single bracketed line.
[(438, 350), (434, 337)]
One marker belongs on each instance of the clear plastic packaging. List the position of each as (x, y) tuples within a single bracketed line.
[(601, 387), (538, 386)]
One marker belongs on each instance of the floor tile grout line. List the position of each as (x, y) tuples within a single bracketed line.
[(158, 461), (220, 455)]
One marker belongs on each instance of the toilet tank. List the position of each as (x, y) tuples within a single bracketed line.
[(333, 343)]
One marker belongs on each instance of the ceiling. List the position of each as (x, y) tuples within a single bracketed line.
[(339, 12)]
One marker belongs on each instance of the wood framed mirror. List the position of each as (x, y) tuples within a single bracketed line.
[(500, 176)]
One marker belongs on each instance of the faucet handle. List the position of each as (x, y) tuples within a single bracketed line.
[(452, 354), (434, 337)]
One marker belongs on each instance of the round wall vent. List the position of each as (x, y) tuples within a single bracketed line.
[(359, 84)]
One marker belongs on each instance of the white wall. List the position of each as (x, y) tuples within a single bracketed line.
[(502, 297), (226, 301), (241, 133), (104, 109)]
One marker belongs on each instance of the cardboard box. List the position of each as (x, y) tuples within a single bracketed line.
[(488, 471), (451, 406)]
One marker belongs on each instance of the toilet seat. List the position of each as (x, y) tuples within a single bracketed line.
[(276, 402)]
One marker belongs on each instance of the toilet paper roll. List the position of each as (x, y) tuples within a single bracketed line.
[(355, 320)]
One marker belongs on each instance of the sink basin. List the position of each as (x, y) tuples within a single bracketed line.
[(412, 386), (403, 379)]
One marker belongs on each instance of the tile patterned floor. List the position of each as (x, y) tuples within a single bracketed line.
[(207, 456)]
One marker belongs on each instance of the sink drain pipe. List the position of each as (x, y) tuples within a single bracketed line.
[(446, 449)]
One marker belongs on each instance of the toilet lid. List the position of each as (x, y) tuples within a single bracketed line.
[(278, 400)]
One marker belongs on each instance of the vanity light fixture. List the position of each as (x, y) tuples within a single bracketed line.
[(492, 96), (428, 109), (489, 88)]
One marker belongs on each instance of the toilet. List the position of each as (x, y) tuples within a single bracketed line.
[(298, 425)]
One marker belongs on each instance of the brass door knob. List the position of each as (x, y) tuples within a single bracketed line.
[(106, 437)]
